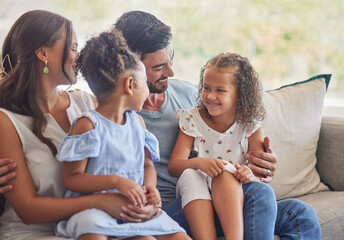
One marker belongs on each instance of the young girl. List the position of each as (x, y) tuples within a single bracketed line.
[(109, 149), (221, 129)]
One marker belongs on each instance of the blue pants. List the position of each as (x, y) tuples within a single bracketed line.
[(295, 219)]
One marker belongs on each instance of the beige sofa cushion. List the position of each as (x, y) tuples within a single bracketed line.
[(330, 210), (293, 123)]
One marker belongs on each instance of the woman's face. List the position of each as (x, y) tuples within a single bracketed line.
[(55, 57), (70, 64)]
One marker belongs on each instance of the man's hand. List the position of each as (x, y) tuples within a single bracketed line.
[(7, 166), (263, 164)]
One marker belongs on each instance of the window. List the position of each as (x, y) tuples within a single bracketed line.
[(286, 41)]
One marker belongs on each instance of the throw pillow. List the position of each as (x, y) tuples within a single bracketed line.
[(293, 121)]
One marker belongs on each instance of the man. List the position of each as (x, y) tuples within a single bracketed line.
[(151, 38)]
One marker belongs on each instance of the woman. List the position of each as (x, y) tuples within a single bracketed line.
[(41, 53)]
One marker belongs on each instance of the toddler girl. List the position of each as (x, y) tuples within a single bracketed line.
[(109, 149), (221, 130)]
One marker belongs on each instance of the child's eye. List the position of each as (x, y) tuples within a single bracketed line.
[(220, 90)]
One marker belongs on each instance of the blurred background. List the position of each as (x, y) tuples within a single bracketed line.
[(286, 41)]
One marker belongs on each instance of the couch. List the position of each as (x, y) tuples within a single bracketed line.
[(310, 150), (329, 204)]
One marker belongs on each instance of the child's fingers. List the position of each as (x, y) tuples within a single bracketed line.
[(153, 200), (221, 166), (141, 198), (209, 173), (241, 175), (132, 198), (215, 171), (138, 197)]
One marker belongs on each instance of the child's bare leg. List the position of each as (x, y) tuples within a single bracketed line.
[(200, 217), (91, 236), (142, 238), (174, 236), (228, 198)]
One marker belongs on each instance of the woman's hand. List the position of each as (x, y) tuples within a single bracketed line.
[(7, 166), (132, 190), (132, 213), (263, 164), (244, 174), (211, 166)]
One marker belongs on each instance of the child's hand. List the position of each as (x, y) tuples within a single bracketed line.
[(211, 166), (152, 195), (132, 190), (244, 174)]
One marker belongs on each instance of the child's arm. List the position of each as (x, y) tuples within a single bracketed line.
[(75, 179), (255, 143), (179, 159), (150, 179)]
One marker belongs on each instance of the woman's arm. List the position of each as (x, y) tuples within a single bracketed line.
[(23, 197), (179, 159)]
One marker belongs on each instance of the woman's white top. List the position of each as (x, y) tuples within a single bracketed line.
[(45, 170)]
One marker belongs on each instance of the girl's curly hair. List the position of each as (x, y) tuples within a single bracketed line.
[(249, 106), (102, 61)]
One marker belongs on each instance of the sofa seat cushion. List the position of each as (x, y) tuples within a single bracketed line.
[(330, 209)]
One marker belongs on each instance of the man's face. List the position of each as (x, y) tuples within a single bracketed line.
[(159, 68)]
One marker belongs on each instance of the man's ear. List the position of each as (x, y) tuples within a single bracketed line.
[(129, 85), (41, 54)]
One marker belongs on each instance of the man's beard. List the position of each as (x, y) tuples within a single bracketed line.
[(153, 89)]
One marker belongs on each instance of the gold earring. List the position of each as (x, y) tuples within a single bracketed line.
[(46, 69), (2, 61)]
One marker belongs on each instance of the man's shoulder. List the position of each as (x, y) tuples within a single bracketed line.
[(182, 93), (181, 86)]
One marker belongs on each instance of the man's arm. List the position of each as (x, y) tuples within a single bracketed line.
[(263, 163), (7, 166)]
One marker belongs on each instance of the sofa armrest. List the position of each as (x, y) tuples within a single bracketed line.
[(330, 152)]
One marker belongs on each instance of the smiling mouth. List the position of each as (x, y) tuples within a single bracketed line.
[(212, 105), (162, 81)]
